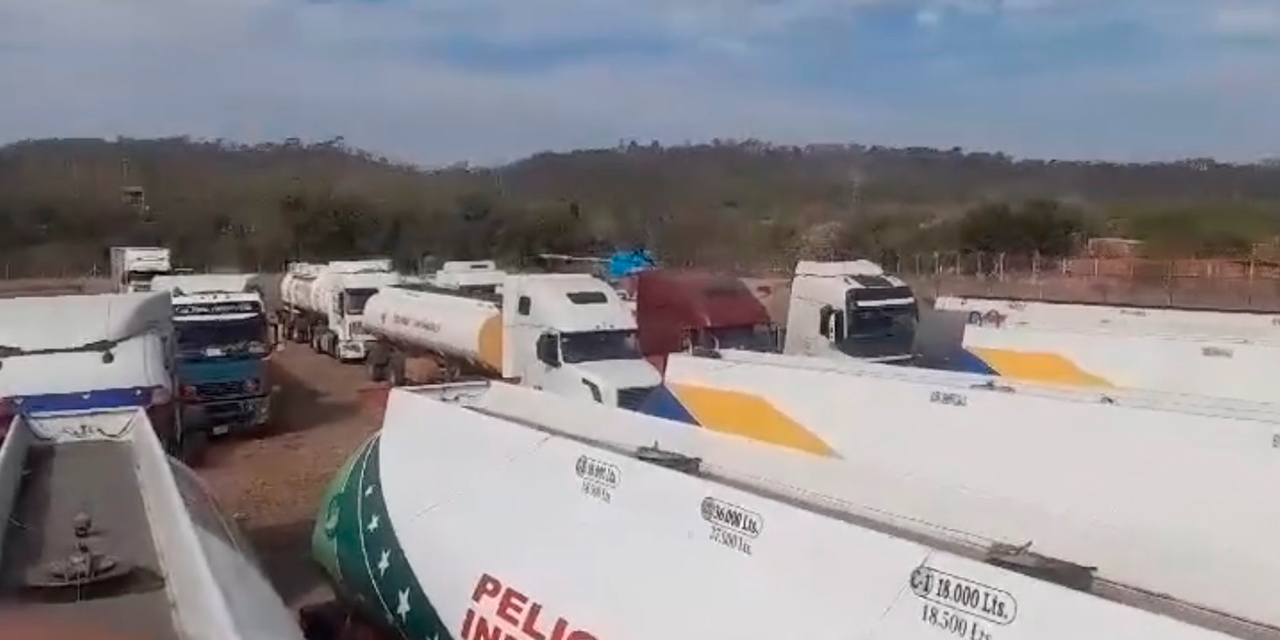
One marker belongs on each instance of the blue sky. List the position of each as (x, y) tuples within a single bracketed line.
[(436, 81)]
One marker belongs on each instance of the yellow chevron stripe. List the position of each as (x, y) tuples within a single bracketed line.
[(1038, 367), (749, 416)]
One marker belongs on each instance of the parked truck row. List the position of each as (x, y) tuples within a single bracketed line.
[(575, 333), (407, 532)]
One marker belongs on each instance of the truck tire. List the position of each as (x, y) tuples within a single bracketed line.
[(395, 370), (193, 445), (377, 359), (322, 621)]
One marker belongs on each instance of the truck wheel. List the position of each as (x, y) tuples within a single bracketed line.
[(395, 370), (377, 370), (377, 360), (323, 621), (193, 447)]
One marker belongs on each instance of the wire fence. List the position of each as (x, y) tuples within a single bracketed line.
[(1246, 284)]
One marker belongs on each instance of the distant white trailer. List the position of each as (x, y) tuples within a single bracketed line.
[(469, 274), (1124, 357), (132, 268), (1043, 314)]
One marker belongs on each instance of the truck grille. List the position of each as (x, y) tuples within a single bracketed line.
[(633, 397), (212, 390)]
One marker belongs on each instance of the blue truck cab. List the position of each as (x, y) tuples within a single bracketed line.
[(223, 350)]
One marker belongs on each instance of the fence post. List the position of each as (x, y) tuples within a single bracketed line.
[(1248, 287)]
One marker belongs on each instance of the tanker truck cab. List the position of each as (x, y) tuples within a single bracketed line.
[(850, 309), (223, 351), (342, 289), (570, 334)]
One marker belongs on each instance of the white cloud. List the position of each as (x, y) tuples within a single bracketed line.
[(267, 69), (929, 16), (249, 69), (1248, 20)]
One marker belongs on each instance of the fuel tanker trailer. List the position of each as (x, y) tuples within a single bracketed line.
[(324, 304), (488, 511), (567, 333)]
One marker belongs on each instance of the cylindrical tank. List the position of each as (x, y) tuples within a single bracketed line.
[(451, 325), (324, 291), (296, 290)]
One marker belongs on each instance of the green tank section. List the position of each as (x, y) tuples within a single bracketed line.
[(356, 545)]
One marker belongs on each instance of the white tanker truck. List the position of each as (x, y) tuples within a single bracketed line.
[(567, 333), (486, 511), (323, 304)]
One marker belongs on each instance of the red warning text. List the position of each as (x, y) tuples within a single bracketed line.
[(500, 612)]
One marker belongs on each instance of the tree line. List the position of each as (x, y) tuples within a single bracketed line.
[(741, 204)]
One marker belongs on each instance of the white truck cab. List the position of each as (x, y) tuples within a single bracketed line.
[(324, 304), (572, 335), (850, 309), (342, 295)]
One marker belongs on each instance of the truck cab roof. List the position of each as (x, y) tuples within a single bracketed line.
[(59, 321), (572, 302), (186, 284), (372, 265), (708, 299)]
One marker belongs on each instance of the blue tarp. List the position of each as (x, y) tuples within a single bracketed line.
[(627, 262)]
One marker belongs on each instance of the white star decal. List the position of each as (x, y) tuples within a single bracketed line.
[(373, 523), (384, 561), (368, 491), (402, 609)]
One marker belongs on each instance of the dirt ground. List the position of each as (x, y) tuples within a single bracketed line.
[(273, 485)]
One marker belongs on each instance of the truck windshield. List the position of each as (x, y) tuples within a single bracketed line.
[(879, 321), (353, 300), (758, 337), (590, 346), (194, 336)]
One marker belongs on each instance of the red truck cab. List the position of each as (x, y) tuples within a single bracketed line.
[(682, 310)]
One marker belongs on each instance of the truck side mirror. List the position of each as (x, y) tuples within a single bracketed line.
[(686, 340), (546, 350)]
